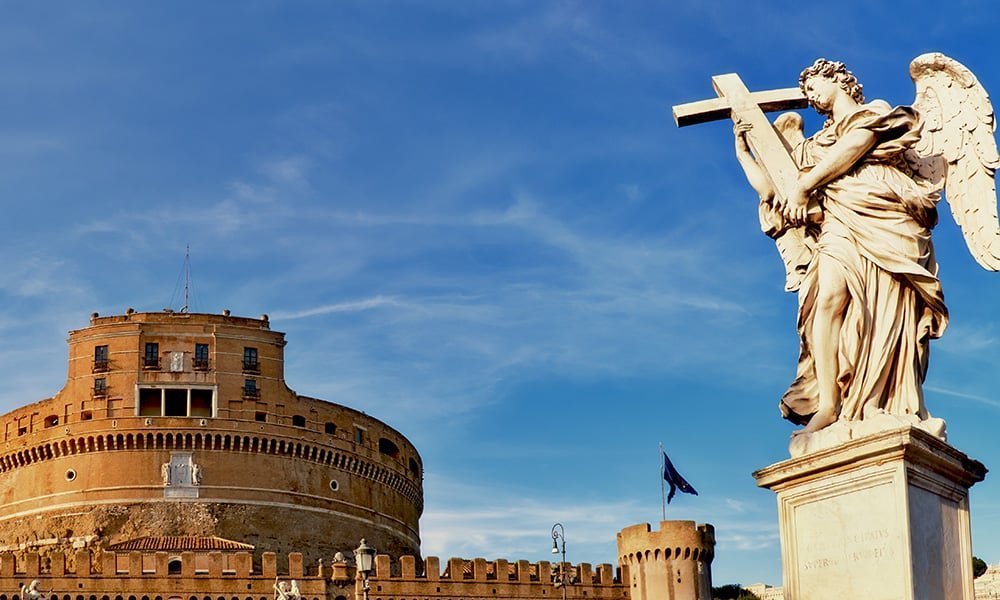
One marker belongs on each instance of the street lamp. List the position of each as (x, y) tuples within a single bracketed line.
[(559, 535), (363, 556)]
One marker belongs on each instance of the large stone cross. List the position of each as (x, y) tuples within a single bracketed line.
[(737, 102)]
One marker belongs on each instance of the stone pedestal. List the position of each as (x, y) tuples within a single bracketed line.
[(883, 517)]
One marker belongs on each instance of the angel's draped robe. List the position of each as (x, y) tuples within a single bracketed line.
[(876, 229)]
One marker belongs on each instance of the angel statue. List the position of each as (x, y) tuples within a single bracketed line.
[(863, 262), (32, 591)]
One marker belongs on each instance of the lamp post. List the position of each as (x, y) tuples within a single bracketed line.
[(363, 556), (559, 535)]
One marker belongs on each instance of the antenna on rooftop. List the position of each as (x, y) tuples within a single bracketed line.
[(187, 277), (186, 274)]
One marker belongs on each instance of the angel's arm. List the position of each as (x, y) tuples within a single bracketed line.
[(845, 153), (842, 157), (755, 175)]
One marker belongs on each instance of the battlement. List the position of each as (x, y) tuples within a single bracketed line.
[(152, 575), (480, 569), (85, 564), (676, 540), (112, 575), (678, 558), (481, 578)]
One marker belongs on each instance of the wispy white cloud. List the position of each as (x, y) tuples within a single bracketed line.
[(969, 341), (340, 307), (489, 520), (31, 144), (989, 401), (38, 275)]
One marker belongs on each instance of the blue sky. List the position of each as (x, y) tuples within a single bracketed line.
[(474, 220)]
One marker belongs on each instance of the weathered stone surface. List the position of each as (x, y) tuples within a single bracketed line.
[(881, 517)]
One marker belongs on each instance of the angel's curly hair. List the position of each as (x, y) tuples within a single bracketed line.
[(835, 71)]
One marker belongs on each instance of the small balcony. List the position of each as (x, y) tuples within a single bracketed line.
[(251, 393), (200, 364), (99, 391), (100, 366), (151, 363)]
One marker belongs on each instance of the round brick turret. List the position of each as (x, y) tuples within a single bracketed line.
[(180, 424), (674, 563)]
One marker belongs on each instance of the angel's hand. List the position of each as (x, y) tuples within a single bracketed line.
[(794, 207), (740, 129)]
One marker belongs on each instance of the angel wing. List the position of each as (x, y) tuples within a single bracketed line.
[(957, 150)]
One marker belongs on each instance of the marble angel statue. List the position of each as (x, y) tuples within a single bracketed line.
[(869, 297)]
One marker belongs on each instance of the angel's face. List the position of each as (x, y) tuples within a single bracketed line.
[(821, 93)]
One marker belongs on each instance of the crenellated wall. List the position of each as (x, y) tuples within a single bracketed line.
[(233, 575), (480, 578), (161, 575)]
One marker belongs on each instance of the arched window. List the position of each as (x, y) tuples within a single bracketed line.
[(388, 448), (414, 468), (299, 421), (174, 566), (330, 428), (51, 420)]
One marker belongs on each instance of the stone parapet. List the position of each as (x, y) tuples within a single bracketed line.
[(481, 578), (137, 575)]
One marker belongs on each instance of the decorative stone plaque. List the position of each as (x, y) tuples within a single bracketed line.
[(176, 362), (181, 476)]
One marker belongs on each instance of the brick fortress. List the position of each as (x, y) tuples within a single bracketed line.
[(176, 463)]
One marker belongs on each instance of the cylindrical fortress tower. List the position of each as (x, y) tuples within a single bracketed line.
[(674, 563), (180, 424)]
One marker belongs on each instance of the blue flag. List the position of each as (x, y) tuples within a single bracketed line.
[(674, 479)]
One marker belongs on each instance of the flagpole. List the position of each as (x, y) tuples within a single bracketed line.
[(663, 493)]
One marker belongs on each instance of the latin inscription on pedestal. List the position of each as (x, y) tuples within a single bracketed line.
[(850, 545), (884, 517)]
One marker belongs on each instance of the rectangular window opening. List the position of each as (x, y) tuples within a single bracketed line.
[(201, 403), (250, 360), (151, 358), (175, 403), (201, 357), (150, 402), (100, 358)]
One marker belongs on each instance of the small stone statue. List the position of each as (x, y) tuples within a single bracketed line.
[(195, 474), (284, 591), (31, 592), (165, 473)]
